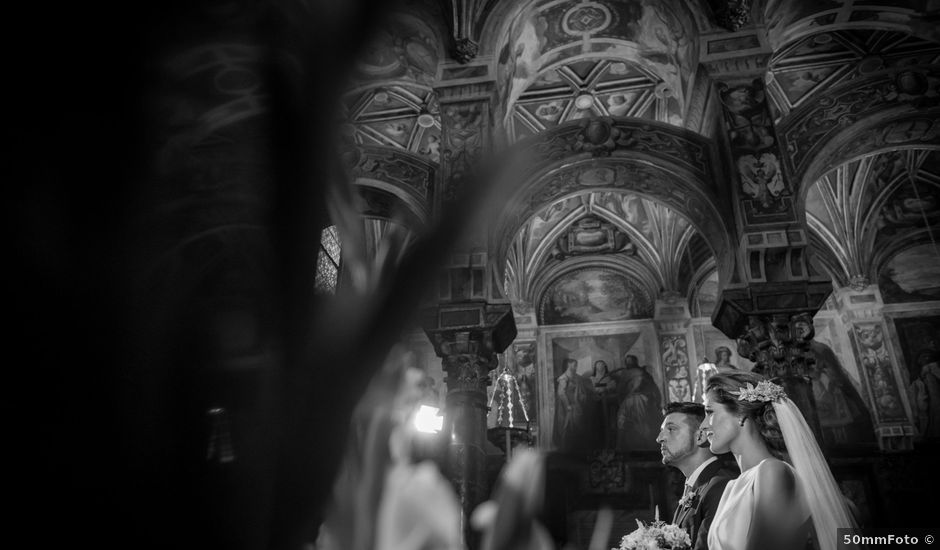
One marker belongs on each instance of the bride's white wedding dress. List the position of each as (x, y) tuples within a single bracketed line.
[(735, 513)]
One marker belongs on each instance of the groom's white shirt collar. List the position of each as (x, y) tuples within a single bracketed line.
[(695, 473)]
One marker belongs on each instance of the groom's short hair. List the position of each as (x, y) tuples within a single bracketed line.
[(689, 408)]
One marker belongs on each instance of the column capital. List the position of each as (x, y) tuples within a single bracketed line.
[(475, 328), (859, 304)]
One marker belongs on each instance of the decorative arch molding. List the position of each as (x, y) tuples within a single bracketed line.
[(656, 161), (892, 130), (786, 21), (628, 267), (813, 133), (404, 175)]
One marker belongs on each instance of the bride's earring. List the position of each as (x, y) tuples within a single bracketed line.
[(742, 421)]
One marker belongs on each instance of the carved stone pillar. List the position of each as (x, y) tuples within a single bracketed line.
[(467, 336), (861, 310), (768, 301), (673, 322)]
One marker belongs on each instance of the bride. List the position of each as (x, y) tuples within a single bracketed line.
[(785, 491)]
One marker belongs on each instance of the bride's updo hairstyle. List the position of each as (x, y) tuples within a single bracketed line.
[(725, 388)]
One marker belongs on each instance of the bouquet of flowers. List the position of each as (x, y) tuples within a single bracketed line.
[(658, 535)]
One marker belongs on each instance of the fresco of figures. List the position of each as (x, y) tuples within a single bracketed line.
[(605, 395)]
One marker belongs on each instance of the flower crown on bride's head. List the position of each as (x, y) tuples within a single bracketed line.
[(765, 390)]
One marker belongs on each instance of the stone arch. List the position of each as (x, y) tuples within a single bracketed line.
[(904, 127), (653, 160), (788, 21)]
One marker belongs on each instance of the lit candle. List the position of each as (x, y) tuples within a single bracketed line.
[(657, 512)]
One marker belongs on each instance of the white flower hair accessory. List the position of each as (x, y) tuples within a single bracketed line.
[(765, 390)]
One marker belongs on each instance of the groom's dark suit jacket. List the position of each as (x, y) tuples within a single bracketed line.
[(696, 517)]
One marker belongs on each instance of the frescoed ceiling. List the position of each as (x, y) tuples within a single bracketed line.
[(659, 250), (398, 115), (549, 34), (826, 59), (865, 212), (588, 88)]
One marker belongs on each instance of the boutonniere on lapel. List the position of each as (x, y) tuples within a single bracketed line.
[(690, 500)]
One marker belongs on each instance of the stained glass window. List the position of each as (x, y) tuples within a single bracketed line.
[(328, 260)]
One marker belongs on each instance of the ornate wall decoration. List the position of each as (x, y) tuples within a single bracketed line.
[(675, 358), (608, 473), (592, 235), (601, 137), (766, 196), (868, 339), (465, 134)]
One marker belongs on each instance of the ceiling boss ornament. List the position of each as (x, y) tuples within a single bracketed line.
[(585, 19)]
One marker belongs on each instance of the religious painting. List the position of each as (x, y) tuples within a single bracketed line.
[(911, 276), (919, 339), (843, 416), (592, 295), (605, 395)]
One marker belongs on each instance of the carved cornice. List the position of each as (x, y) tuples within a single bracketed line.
[(742, 66)]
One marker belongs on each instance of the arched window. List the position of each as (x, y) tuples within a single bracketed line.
[(328, 261)]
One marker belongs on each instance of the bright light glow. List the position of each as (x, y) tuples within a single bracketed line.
[(428, 421)]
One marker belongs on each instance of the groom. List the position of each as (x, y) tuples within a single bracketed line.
[(684, 445)]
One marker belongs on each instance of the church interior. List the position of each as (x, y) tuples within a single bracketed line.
[(251, 236)]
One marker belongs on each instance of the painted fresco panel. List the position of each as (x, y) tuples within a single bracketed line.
[(605, 396), (593, 295), (911, 276), (919, 338)]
